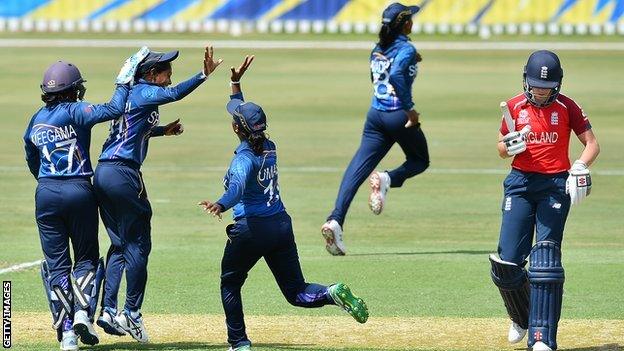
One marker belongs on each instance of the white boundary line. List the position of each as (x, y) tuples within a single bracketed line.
[(299, 45), (19, 267), (459, 171)]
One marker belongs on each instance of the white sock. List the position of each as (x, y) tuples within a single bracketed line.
[(387, 176)]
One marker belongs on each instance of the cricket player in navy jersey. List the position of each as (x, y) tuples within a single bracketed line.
[(57, 144), (391, 118), (262, 227), (124, 205), (538, 193)]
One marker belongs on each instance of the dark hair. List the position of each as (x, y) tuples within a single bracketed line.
[(387, 34), (256, 140), (157, 68), (69, 95), (390, 31)]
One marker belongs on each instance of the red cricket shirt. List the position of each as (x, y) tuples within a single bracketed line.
[(549, 139)]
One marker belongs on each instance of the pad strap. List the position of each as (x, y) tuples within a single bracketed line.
[(80, 288), (513, 285), (87, 288), (66, 310)]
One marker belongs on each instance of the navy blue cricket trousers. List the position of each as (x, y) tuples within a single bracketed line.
[(66, 209), (533, 203), (381, 131), (126, 213), (250, 239)]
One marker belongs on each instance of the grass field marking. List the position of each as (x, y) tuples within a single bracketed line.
[(19, 267), (414, 333), (313, 169), (303, 45)]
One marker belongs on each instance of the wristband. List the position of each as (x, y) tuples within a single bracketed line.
[(234, 83)]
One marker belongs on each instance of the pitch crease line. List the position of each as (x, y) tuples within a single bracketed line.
[(19, 267)]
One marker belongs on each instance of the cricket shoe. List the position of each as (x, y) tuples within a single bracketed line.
[(516, 333), (132, 323), (84, 328), (241, 348), (107, 322), (379, 183), (69, 342), (540, 346), (343, 297), (332, 232)]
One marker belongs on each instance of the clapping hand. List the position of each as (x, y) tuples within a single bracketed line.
[(237, 74), (209, 63)]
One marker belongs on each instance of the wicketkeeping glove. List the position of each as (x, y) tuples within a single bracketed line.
[(579, 183), (126, 74)]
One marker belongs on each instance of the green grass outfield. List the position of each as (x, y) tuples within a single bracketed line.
[(424, 257)]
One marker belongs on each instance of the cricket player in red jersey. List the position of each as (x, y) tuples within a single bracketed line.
[(538, 193)]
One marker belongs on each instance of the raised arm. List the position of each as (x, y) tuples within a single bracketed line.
[(236, 76), (90, 114), (161, 96)]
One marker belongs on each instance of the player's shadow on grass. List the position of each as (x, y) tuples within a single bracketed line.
[(605, 347), (454, 252), (126, 346)]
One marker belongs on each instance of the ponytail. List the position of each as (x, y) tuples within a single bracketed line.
[(256, 140), (387, 34)]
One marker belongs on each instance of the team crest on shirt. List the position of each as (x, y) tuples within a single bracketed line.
[(523, 117), (554, 119)]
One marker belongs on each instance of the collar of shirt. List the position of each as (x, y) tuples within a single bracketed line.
[(244, 145), (143, 81), (403, 37)]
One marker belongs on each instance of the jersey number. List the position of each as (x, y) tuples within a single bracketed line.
[(273, 191), (70, 154), (380, 69), (118, 126)]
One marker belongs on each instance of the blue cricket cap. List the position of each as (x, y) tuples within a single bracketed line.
[(543, 70), (156, 57), (398, 13), (248, 115)]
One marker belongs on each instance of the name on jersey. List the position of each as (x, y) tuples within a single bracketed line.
[(542, 137), (267, 173), (52, 134), (380, 65)]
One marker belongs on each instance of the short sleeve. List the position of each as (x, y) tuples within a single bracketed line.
[(579, 122)]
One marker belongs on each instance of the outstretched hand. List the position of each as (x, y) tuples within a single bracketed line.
[(174, 128), (213, 208), (237, 74), (209, 63)]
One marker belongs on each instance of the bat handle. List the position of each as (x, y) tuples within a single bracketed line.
[(525, 130)]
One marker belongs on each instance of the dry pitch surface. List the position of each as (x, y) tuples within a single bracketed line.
[(342, 332)]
